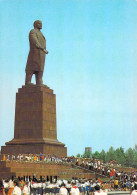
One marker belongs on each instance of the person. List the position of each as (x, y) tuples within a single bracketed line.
[(11, 187), (74, 190), (116, 184), (2, 191), (41, 156), (6, 185), (98, 191), (17, 190), (63, 190), (26, 188), (36, 57), (134, 192)]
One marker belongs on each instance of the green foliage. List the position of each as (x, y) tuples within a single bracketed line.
[(130, 157), (78, 155), (120, 156), (96, 155), (103, 155), (125, 158), (110, 154), (87, 154)]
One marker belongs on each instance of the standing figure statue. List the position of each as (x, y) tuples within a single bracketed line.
[(36, 57)]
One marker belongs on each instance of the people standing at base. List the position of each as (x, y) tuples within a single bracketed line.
[(40, 188), (26, 189), (17, 190), (74, 190), (134, 192), (98, 191), (63, 190), (34, 186), (6, 186), (116, 184), (11, 187), (2, 191)]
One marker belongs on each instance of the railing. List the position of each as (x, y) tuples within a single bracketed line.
[(119, 193)]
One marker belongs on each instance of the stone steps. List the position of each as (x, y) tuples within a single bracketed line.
[(20, 169)]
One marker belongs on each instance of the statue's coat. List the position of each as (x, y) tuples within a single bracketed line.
[(36, 57)]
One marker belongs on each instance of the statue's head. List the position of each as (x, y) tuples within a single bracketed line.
[(37, 24)]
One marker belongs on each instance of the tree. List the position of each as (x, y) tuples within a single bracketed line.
[(87, 154), (129, 157), (110, 154), (96, 155), (120, 156), (135, 156), (135, 148), (103, 155), (78, 155)]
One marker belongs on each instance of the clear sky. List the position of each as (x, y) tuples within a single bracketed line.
[(91, 66)]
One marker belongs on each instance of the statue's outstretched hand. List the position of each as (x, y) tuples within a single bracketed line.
[(46, 51)]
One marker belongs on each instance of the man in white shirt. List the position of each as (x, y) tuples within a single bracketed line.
[(34, 187), (17, 190), (6, 185), (26, 189), (134, 192), (63, 190), (74, 190)]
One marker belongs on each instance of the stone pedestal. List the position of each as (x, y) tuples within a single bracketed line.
[(35, 123)]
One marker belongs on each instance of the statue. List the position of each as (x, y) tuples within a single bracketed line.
[(37, 53)]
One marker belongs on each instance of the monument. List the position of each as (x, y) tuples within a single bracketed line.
[(35, 128)]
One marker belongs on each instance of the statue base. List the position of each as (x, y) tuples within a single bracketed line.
[(35, 123), (25, 148)]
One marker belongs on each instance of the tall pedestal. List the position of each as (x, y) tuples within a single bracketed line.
[(35, 123)]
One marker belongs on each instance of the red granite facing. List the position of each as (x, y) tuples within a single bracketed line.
[(35, 127)]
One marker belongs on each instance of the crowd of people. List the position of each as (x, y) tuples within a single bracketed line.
[(28, 186), (109, 170), (114, 177), (45, 158)]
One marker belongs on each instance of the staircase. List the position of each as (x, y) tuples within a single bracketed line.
[(23, 168), (91, 171)]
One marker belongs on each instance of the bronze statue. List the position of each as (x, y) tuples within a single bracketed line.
[(36, 57)]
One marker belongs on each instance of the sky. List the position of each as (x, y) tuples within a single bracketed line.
[(91, 66)]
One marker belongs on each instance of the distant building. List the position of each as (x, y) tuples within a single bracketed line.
[(88, 149)]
